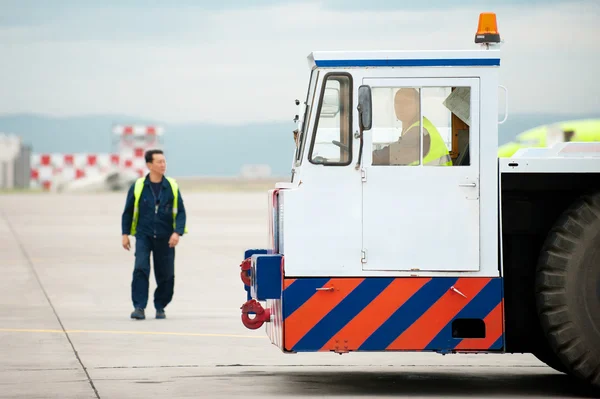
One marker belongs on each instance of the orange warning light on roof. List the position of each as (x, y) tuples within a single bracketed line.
[(487, 30)]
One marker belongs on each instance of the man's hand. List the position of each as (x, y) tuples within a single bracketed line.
[(125, 242), (174, 240)]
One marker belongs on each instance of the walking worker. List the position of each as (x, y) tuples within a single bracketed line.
[(154, 213)]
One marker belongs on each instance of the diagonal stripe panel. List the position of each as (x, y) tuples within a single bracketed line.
[(487, 299), (493, 332), (378, 311), (313, 310), (499, 344), (298, 293), (410, 312), (343, 313), (422, 331), (287, 282)]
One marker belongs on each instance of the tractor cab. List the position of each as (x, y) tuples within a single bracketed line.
[(395, 169)]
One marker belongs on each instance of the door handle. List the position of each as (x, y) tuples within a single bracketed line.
[(325, 289), (467, 185)]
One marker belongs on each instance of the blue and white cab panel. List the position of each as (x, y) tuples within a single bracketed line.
[(396, 58), (415, 193)]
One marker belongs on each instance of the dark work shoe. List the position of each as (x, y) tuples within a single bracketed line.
[(138, 314), (160, 314)]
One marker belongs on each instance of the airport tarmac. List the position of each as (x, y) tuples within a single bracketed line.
[(65, 330)]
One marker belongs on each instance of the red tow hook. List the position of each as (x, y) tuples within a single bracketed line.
[(246, 266), (261, 315)]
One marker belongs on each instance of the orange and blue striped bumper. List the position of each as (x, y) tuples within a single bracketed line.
[(385, 314)]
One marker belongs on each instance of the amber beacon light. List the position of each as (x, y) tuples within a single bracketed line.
[(487, 31)]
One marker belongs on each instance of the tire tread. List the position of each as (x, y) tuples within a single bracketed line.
[(552, 301)]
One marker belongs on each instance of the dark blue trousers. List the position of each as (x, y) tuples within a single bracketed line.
[(164, 271)]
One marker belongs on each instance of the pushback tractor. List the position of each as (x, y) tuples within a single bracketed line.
[(402, 230)]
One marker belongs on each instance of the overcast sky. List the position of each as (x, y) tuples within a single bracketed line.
[(244, 61)]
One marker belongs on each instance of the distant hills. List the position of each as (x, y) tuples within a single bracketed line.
[(202, 149)]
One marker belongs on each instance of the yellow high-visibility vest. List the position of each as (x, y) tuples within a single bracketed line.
[(438, 152), (137, 192)]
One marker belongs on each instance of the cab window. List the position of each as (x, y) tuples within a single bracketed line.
[(427, 126), (332, 133)]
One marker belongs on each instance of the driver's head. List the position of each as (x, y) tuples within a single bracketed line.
[(406, 104)]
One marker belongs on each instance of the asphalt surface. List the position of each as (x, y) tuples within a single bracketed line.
[(65, 330)]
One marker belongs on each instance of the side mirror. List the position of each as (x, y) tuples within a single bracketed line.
[(365, 114)]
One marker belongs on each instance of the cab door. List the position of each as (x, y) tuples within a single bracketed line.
[(420, 214), (322, 215)]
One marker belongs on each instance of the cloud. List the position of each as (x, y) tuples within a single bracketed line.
[(238, 65)]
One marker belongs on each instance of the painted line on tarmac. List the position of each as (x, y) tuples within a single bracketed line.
[(24, 330)]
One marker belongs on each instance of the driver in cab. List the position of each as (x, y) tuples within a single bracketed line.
[(406, 150)]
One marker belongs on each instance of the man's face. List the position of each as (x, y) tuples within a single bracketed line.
[(406, 105), (158, 164)]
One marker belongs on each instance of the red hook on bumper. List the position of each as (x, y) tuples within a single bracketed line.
[(246, 266), (261, 315)]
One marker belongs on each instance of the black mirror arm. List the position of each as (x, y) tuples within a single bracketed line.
[(360, 136), (360, 151)]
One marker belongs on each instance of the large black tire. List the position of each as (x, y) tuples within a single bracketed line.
[(568, 289)]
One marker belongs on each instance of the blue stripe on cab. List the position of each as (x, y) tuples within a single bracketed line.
[(409, 63), (342, 314), (478, 308), (299, 292), (407, 314)]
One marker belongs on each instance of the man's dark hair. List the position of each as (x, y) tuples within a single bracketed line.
[(150, 155)]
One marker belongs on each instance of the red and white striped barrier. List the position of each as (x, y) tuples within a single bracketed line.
[(47, 168), (137, 130), (135, 140)]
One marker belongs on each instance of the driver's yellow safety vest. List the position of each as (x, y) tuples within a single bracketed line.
[(438, 152)]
